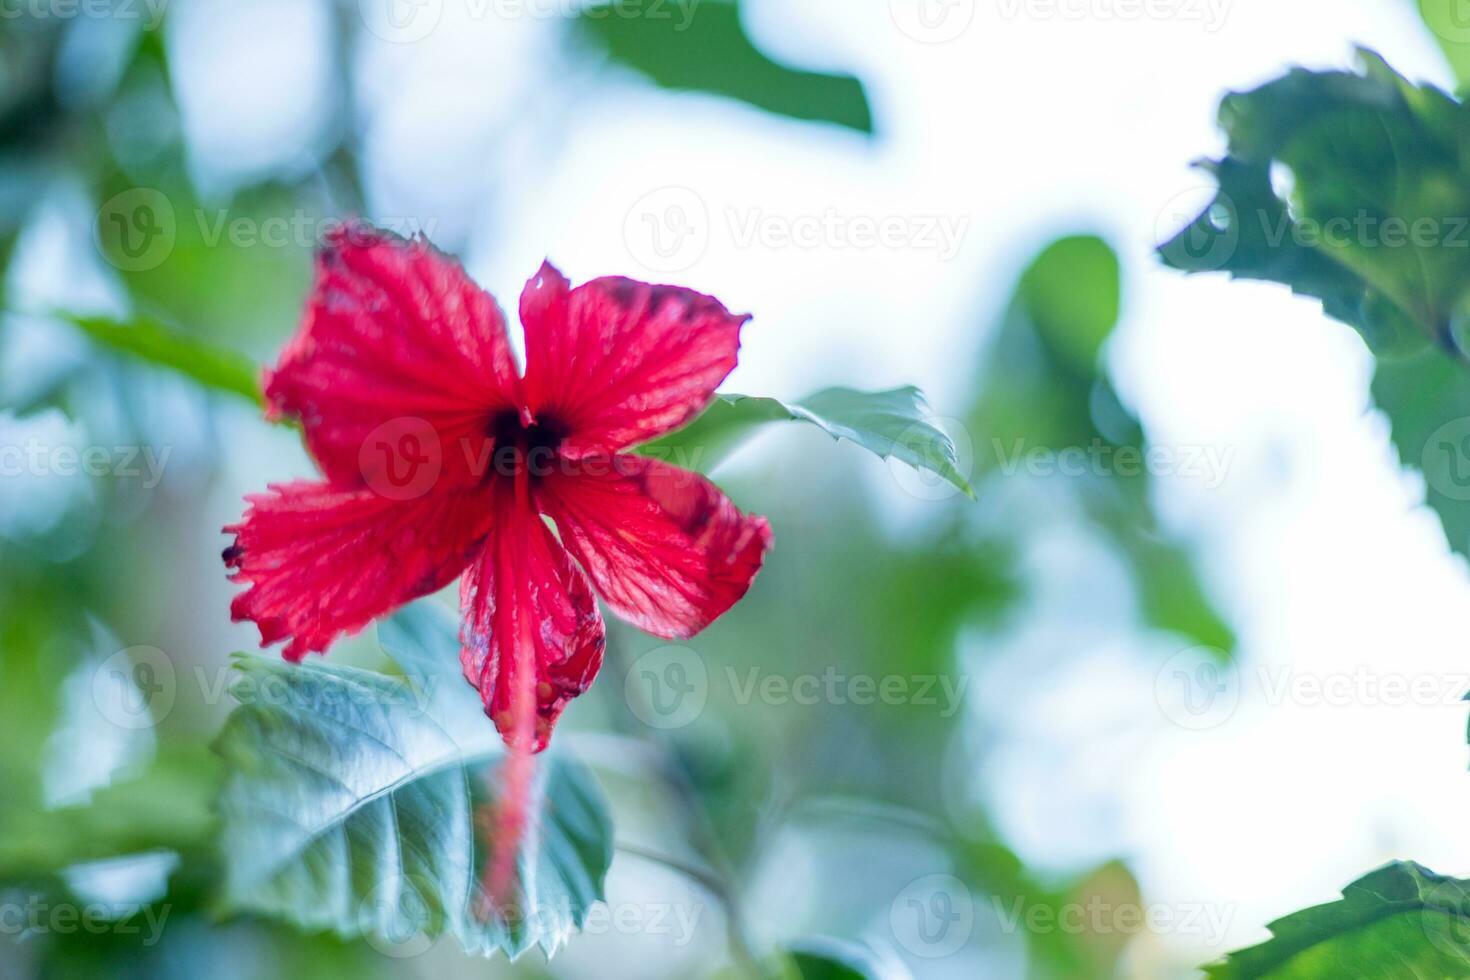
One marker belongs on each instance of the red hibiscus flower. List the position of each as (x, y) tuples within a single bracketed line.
[(440, 459)]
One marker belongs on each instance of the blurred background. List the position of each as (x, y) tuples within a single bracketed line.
[(1184, 666)]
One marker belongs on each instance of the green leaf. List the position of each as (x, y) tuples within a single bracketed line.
[(151, 341), (822, 958), (1446, 24), (1363, 150), (702, 47), (896, 423), (1402, 920), (166, 807), (1073, 292), (1369, 158), (350, 799), (1046, 387), (1427, 401)]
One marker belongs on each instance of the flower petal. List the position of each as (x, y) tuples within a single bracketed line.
[(619, 362), (323, 561), (397, 340), (524, 588), (666, 549)]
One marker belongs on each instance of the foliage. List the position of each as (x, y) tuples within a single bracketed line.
[(351, 802), (703, 47), (1351, 188), (1401, 920)]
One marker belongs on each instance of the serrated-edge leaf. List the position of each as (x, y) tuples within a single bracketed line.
[(399, 776), (866, 418), (1402, 887)]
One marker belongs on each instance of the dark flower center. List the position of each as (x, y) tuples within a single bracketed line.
[(531, 446)]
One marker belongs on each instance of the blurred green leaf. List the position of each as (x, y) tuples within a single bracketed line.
[(1402, 920), (1446, 24), (1363, 150), (822, 958), (703, 47), (1045, 386), (151, 341), (167, 806), (350, 804), (1073, 292), (896, 423)]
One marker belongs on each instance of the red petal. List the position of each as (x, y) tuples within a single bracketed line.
[(324, 561), (619, 362), (666, 549), (397, 342), (524, 589)]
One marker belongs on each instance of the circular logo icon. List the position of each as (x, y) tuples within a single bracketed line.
[(932, 21), (395, 918), (401, 459), (135, 688), (401, 21), (136, 229), (1197, 688), (1199, 229), (925, 483), (667, 230), (1449, 19), (667, 687), (1446, 919), (1446, 459), (933, 916)]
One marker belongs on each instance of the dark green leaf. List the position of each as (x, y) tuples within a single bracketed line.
[(1402, 920), (149, 340), (1370, 155), (703, 47), (896, 423), (350, 801), (1427, 401), (1370, 158), (822, 958)]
